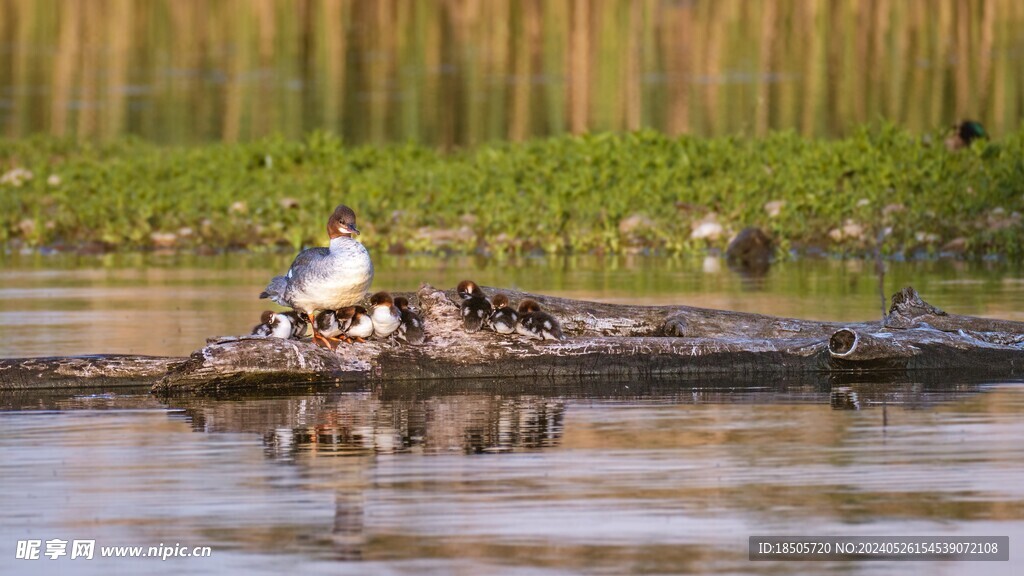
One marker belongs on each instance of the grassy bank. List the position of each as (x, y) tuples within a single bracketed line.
[(599, 193)]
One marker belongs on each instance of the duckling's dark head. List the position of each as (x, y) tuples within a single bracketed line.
[(342, 223), (527, 306), (381, 299), (468, 288), (268, 317), (402, 303), (500, 301)]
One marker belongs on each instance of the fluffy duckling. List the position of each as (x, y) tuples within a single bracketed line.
[(385, 315), (273, 324), (476, 308), (298, 322), (334, 323), (411, 329), (360, 324), (503, 319), (535, 323)]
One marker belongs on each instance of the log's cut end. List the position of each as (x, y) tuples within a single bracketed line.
[(842, 343)]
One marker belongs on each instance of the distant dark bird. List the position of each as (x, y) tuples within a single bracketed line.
[(963, 134), (476, 308), (503, 318), (411, 329), (326, 278), (535, 323), (385, 315)]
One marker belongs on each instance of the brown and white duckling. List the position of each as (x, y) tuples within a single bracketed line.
[(298, 322), (535, 323), (361, 325), (385, 315), (503, 319), (476, 308), (273, 324), (411, 329), (334, 323)]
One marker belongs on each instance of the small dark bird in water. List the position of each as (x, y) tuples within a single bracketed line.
[(361, 325), (411, 329), (963, 134), (476, 308), (503, 319), (275, 324), (535, 323)]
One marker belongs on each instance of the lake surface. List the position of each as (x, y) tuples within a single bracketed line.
[(515, 477), (169, 304)]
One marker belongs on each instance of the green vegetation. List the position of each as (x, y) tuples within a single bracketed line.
[(596, 193)]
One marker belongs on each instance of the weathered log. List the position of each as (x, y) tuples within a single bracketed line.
[(94, 371), (609, 340), (603, 339)]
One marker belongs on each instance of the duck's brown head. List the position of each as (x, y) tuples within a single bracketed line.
[(268, 317), (342, 223), (381, 299), (468, 288), (500, 301), (402, 303), (527, 306)]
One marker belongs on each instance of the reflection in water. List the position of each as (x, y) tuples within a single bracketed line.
[(655, 476), (453, 73)]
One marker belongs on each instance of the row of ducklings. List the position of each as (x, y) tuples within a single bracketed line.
[(386, 317), (478, 311)]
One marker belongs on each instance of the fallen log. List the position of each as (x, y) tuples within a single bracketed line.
[(602, 340), (618, 341)]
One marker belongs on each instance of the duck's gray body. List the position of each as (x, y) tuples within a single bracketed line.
[(324, 278)]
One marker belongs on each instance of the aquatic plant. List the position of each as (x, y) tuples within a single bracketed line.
[(605, 193)]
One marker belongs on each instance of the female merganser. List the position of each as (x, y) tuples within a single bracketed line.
[(535, 323), (326, 278), (361, 325), (503, 319), (476, 309), (273, 324), (385, 315), (411, 329)]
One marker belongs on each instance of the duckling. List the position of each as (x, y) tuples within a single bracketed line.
[(298, 322), (333, 323), (360, 325), (503, 319), (411, 329), (476, 309), (386, 317), (534, 323), (272, 324)]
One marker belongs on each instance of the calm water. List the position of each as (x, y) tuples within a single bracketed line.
[(473, 477), (462, 72), (169, 305), (530, 478)]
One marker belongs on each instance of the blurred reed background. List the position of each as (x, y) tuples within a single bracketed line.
[(461, 72)]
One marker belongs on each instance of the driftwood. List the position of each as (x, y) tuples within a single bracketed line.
[(602, 340)]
